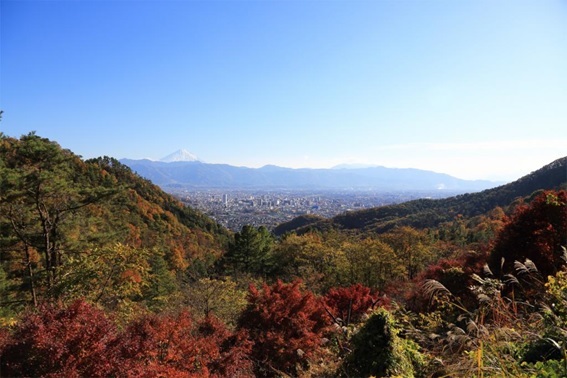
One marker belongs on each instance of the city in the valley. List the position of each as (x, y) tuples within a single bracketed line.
[(236, 208)]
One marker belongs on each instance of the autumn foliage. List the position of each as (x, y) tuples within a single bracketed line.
[(536, 231), (349, 304), (286, 324), (56, 340), (172, 345), (79, 340)]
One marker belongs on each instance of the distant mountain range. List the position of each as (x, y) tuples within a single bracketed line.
[(183, 169), (423, 213)]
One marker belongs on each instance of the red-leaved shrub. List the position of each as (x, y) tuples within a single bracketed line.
[(171, 345), (286, 325), (536, 231), (349, 304), (61, 341)]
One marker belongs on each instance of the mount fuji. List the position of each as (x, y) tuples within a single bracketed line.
[(179, 155)]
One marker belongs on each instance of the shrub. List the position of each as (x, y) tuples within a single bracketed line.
[(349, 304), (58, 340), (286, 325), (379, 351), (537, 232), (172, 345)]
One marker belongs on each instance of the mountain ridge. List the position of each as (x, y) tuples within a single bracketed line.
[(423, 213), (198, 174)]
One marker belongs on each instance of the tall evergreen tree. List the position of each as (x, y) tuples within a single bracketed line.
[(43, 189), (251, 251)]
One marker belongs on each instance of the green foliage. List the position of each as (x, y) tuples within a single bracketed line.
[(251, 251), (6, 301), (378, 350), (556, 287), (62, 218), (546, 369), (43, 191), (162, 284)]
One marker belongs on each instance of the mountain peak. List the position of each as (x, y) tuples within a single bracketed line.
[(180, 155)]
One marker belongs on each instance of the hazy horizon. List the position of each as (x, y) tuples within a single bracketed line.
[(475, 89)]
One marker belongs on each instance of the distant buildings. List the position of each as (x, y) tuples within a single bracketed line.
[(263, 208)]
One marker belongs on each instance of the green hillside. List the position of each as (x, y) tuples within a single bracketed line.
[(61, 216)]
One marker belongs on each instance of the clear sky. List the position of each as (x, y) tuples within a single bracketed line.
[(476, 89)]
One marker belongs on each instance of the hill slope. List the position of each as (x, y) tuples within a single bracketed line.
[(428, 213), (56, 210)]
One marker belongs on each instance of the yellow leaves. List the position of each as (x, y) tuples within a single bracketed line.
[(8, 321), (219, 296), (107, 275)]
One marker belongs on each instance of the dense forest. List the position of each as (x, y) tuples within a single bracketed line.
[(105, 275)]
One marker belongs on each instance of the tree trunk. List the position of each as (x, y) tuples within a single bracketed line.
[(31, 277)]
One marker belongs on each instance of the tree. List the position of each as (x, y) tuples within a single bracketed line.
[(110, 276), (251, 251), (286, 326), (161, 285), (313, 258), (411, 248), (372, 263), (43, 189), (220, 297)]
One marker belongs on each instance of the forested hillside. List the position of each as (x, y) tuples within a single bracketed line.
[(104, 275), (63, 221)]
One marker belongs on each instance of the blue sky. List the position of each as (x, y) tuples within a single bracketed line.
[(476, 89)]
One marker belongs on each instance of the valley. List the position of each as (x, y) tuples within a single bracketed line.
[(274, 283), (236, 208)]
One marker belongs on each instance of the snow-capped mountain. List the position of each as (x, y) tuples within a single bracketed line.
[(180, 155)]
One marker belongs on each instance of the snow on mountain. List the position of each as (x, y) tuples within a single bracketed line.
[(180, 155)]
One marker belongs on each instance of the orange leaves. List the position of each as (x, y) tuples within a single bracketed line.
[(172, 345)]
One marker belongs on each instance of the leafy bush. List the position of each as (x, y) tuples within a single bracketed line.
[(537, 232), (57, 340), (286, 325), (172, 345), (349, 304), (379, 351)]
